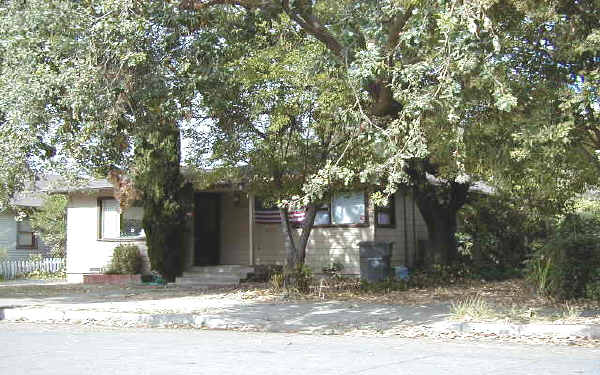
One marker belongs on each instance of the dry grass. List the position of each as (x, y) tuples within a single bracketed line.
[(472, 308), (512, 300)]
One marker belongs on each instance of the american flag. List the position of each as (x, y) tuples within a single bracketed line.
[(272, 216)]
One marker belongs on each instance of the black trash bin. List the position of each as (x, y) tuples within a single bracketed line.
[(375, 258)]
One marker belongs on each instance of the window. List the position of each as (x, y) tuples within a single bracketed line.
[(25, 235), (386, 216), (322, 216), (345, 209), (117, 224)]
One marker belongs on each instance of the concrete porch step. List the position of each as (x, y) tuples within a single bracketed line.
[(211, 276), (220, 269)]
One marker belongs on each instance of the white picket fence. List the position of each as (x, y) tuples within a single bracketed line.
[(10, 269)]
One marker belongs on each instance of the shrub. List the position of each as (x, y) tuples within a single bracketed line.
[(50, 221), (568, 265), (592, 287), (497, 235), (300, 278), (126, 260), (439, 275), (263, 272)]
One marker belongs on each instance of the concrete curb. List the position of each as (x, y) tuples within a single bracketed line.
[(51, 315), (590, 331), (45, 315)]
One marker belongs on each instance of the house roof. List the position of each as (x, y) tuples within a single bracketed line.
[(28, 199), (93, 184), (33, 196)]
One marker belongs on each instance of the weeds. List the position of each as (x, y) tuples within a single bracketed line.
[(473, 307)]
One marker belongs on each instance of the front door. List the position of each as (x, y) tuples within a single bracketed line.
[(207, 229)]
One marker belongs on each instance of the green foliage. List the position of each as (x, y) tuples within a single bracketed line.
[(45, 275), (440, 275), (300, 278), (572, 263), (126, 259), (497, 235), (567, 265), (100, 81), (41, 274), (458, 90), (50, 222), (592, 287), (165, 197), (3, 253)]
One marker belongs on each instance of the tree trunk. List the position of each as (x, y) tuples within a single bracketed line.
[(296, 251), (307, 225), (290, 245), (441, 227), (439, 204)]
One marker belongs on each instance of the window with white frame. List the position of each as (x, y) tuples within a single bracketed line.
[(344, 209), (385, 216), (119, 224), (25, 235)]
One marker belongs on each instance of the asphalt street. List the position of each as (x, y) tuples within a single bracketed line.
[(61, 349)]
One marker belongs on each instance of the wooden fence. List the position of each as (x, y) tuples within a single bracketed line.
[(10, 269)]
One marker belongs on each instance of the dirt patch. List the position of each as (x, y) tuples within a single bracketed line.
[(511, 300)]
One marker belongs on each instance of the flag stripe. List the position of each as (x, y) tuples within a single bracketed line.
[(273, 216)]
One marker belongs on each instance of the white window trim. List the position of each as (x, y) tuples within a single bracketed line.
[(33, 245), (331, 224), (118, 238)]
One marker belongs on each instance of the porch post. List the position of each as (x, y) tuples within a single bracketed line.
[(251, 229)]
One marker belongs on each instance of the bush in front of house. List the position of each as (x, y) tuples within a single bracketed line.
[(568, 265), (126, 260), (497, 234)]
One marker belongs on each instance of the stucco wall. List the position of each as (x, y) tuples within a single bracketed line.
[(404, 237), (85, 252), (235, 240)]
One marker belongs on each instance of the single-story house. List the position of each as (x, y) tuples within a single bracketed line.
[(17, 237), (230, 227)]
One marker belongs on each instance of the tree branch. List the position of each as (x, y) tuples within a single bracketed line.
[(203, 4), (313, 27), (396, 28)]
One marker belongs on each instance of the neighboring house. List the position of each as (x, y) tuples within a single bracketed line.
[(16, 235), (229, 227)]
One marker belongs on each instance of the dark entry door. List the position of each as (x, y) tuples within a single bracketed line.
[(207, 229)]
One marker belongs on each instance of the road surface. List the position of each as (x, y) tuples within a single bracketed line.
[(51, 349)]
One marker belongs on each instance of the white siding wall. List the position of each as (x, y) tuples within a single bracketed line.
[(8, 231), (336, 245), (404, 238), (8, 239), (85, 253), (326, 245)]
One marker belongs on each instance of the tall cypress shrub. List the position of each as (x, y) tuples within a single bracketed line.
[(163, 193)]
